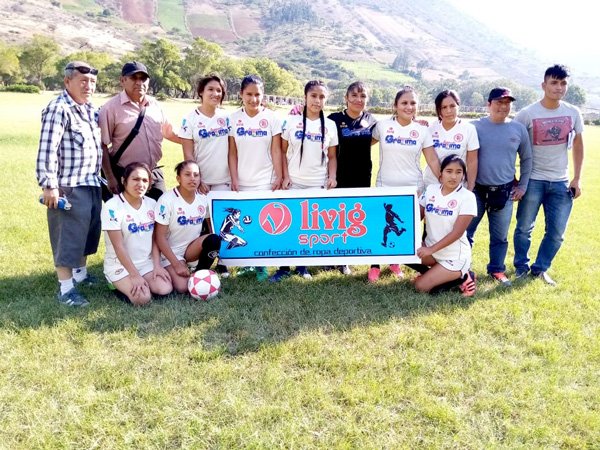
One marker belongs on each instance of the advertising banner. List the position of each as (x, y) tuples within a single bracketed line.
[(317, 227)]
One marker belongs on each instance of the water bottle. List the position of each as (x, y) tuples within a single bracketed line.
[(63, 203)]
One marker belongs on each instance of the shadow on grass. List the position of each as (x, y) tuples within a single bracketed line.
[(246, 316)]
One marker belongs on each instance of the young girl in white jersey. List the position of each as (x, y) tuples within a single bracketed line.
[(448, 209), (205, 139), (255, 160), (179, 216), (132, 260), (309, 143), (452, 135), (401, 142)]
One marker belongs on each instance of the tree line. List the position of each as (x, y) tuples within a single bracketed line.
[(174, 72)]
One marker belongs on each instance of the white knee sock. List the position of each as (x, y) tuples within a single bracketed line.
[(80, 273), (65, 285)]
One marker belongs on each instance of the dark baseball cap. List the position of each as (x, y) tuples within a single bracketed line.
[(500, 92), (132, 68)]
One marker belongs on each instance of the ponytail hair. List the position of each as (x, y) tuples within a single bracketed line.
[(357, 86), (183, 164), (251, 79), (307, 88)]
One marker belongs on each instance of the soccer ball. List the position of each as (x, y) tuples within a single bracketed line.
[(204, 285)]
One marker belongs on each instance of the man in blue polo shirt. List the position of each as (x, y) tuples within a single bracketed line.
[(500, 141)]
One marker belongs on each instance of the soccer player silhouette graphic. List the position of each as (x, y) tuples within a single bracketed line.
[(390, 221)]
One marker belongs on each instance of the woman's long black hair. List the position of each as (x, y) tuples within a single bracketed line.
[(311, 84)]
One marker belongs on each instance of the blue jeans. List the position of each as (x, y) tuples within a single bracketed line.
[(499, 221), (556, 199)]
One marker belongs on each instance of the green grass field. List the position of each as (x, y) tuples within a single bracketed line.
[(364, 70), (328, 363), (81, 6), (171, 14), (210, 21)]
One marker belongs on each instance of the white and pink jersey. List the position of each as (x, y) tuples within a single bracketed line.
[(400, 149), (253, 136), (312, 169), (458, 140), (211, 144), (183, 219), (441, 213), (136, 226)]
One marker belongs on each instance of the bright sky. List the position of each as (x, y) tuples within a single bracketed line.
[(560, 31)]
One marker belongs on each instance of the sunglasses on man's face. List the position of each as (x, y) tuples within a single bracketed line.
[(84, 70)]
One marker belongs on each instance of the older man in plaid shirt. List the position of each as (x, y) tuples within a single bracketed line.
[(68, 164)]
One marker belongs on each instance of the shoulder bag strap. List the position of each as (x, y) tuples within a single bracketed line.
[(132, 134)]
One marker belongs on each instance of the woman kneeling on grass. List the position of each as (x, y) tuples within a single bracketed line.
[(132, 260), (448, 209), (179, 215)]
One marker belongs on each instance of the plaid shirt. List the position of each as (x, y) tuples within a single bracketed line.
[(69, 152)]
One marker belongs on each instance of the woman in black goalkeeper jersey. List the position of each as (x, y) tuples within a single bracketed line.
[(354, 126)]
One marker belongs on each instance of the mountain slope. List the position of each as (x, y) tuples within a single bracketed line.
[(429, 38)]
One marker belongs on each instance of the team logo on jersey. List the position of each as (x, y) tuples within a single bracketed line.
[(138, 228), (112, 218), (213, 132), (221, 122), (128, 218), (458, 137), (201, 210), (161, 212), (435, 135), (240, 123), (192, 220), (180, 211), (151, 215), (391, 139), (315, 137), (431, 208), (390, 130), (275, 218), (452, 204), (264, 123), (184, 125), (414, 134), (445, 145)]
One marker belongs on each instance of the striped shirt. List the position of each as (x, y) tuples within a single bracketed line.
[(69, 151)]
